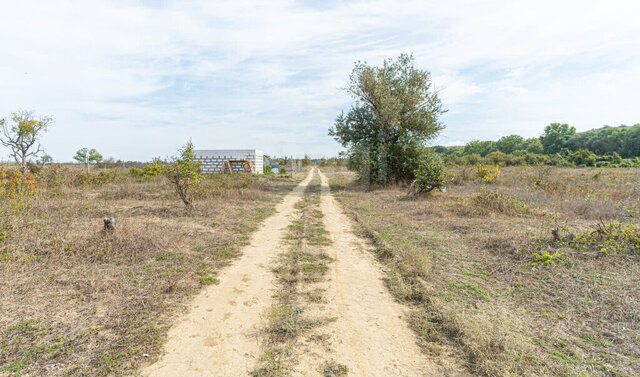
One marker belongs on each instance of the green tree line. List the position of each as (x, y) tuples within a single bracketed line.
[(559, 144)]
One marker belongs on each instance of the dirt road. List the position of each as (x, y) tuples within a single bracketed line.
[(370, 335), (219, 336)]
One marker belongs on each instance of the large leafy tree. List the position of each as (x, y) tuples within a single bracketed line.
[(631, 142), (533, 145), (396, 112), (510, 144), (21, 134), (556, 136)]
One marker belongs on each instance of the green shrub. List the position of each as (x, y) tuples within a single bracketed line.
[(429, 174), (472, 159), (564, 158), (497, 158), (487, 174), (135, 172), (148, 171), (613, 238), (102, 177)]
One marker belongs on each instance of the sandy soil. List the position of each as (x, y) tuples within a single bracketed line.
[(218, 337)]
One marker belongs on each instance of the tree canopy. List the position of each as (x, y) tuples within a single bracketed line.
[(510, 144), (623, 140), (556, 136), (560, 144), (395, 113), (87, 156)]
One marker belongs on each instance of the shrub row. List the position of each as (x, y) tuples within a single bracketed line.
[(565, 158)]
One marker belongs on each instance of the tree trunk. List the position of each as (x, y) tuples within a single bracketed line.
[(23, 163)]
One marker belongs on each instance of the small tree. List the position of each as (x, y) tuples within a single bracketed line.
[(23, 134), (184, 174), (45, 159), (86, 156)]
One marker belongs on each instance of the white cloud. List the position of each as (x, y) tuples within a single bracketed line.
[(136, 79)]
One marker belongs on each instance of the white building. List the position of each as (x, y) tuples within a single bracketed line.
[(212, 160)]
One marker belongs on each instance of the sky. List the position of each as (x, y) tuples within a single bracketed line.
[(137, 79)]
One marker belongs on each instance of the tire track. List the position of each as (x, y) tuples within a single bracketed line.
[(218, 336), (370, 335)]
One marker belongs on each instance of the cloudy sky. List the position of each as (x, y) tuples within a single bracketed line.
[(136, 79)]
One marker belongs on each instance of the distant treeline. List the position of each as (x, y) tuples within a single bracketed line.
[(559, 145)]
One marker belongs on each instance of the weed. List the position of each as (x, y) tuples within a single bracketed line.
[(614, 238), (546, 259), (207, 280), (167, 256), (333, 369), (287, 321), (274, 363)]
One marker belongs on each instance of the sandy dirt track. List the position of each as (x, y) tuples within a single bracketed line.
[(218, 336), (370, 335)]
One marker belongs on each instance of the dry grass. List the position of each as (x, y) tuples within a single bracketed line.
[(77, 301), (486, 281)]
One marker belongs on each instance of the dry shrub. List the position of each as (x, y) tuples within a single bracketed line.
[(508, 246), (460, 176), (248, 187), (57, 176), (149, 189), (495, 202), (96, 297), (492, 337), (132, 242)]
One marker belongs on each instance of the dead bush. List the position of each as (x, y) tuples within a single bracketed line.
[(495, 202)]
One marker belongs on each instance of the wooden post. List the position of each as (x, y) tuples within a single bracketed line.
[(227, 164)]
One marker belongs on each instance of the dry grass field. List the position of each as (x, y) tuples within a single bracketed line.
[(532, 271), (487, 281), (78, 301)]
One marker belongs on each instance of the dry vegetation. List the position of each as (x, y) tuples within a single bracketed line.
[(78, 301), (488, 281)]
